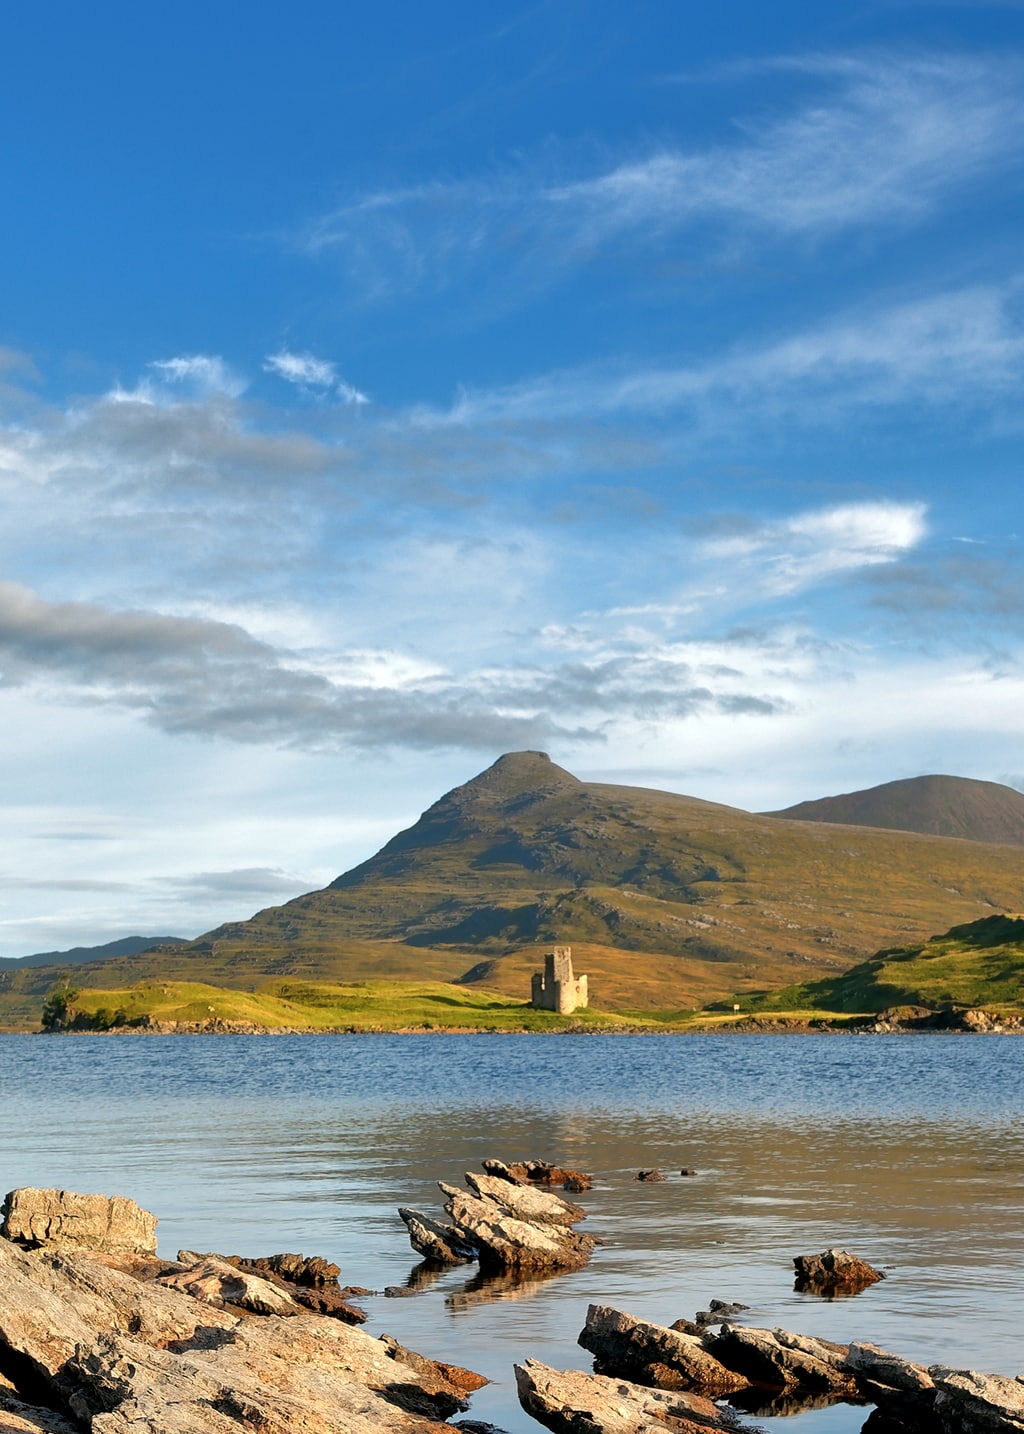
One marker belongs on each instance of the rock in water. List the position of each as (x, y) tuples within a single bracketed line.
[(636, 1349), (63, 1219), (526, 1202), (834, 1272), (970, 1403), (507, 1243), (441, 1244)]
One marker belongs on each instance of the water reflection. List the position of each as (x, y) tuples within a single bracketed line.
[(905, 1150)]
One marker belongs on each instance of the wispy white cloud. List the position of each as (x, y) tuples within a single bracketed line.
[(314, 374), (806, 548), (194, 375), (301, 369), (878, 139), (955, 349)]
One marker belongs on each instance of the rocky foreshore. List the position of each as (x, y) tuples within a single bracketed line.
[(98, 1333)]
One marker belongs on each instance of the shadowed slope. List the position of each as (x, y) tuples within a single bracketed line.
[(934, 806), (978, 964)]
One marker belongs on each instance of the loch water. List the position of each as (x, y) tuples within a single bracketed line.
[(906, 1149)]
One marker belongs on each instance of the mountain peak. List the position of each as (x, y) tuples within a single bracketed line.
[(516, 774)]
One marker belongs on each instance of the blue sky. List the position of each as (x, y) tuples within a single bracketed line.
[(383, 391)]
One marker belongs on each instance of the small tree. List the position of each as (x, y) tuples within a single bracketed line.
[(58, 1008)]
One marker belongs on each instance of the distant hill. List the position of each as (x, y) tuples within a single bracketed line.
[(935, 806), (127, 946), (667, 901), (978, 964)]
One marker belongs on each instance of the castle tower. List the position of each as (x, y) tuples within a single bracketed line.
[(556, 988)]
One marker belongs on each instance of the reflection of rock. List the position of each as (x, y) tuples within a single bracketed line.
[(834, 1272), (441, 1244), (484, 1289), (539, 1172), (118, 1353), (578, 1403), (65, 1219), (648, 1353)]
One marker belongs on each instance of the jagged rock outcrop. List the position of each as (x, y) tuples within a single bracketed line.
[(118, 1351), (647, 1353), (311, 1283), (505, 1242), (218, 1283), (834, 1272), (507, 1224), (17, 1417), (780, 1359), (967, 1402), (439, 1243), (66, 1219), (578, 1403)]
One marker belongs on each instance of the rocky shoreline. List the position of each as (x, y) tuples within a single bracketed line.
[(901, 1021), (97, 1333)]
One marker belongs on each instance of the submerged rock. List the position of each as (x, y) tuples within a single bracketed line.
[(539, 1172), (649, 1176)]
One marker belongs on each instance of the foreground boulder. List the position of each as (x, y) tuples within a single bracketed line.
[(65, 1219), (834, 1272), (578, 1403), (115, 1353)]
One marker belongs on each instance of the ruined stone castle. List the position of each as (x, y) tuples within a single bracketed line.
[(556, 988)]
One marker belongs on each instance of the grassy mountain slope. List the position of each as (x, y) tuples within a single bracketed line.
[(667, 901), (934, 806), (977, 964)]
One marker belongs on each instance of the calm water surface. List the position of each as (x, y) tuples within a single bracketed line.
[(906, 1149)]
